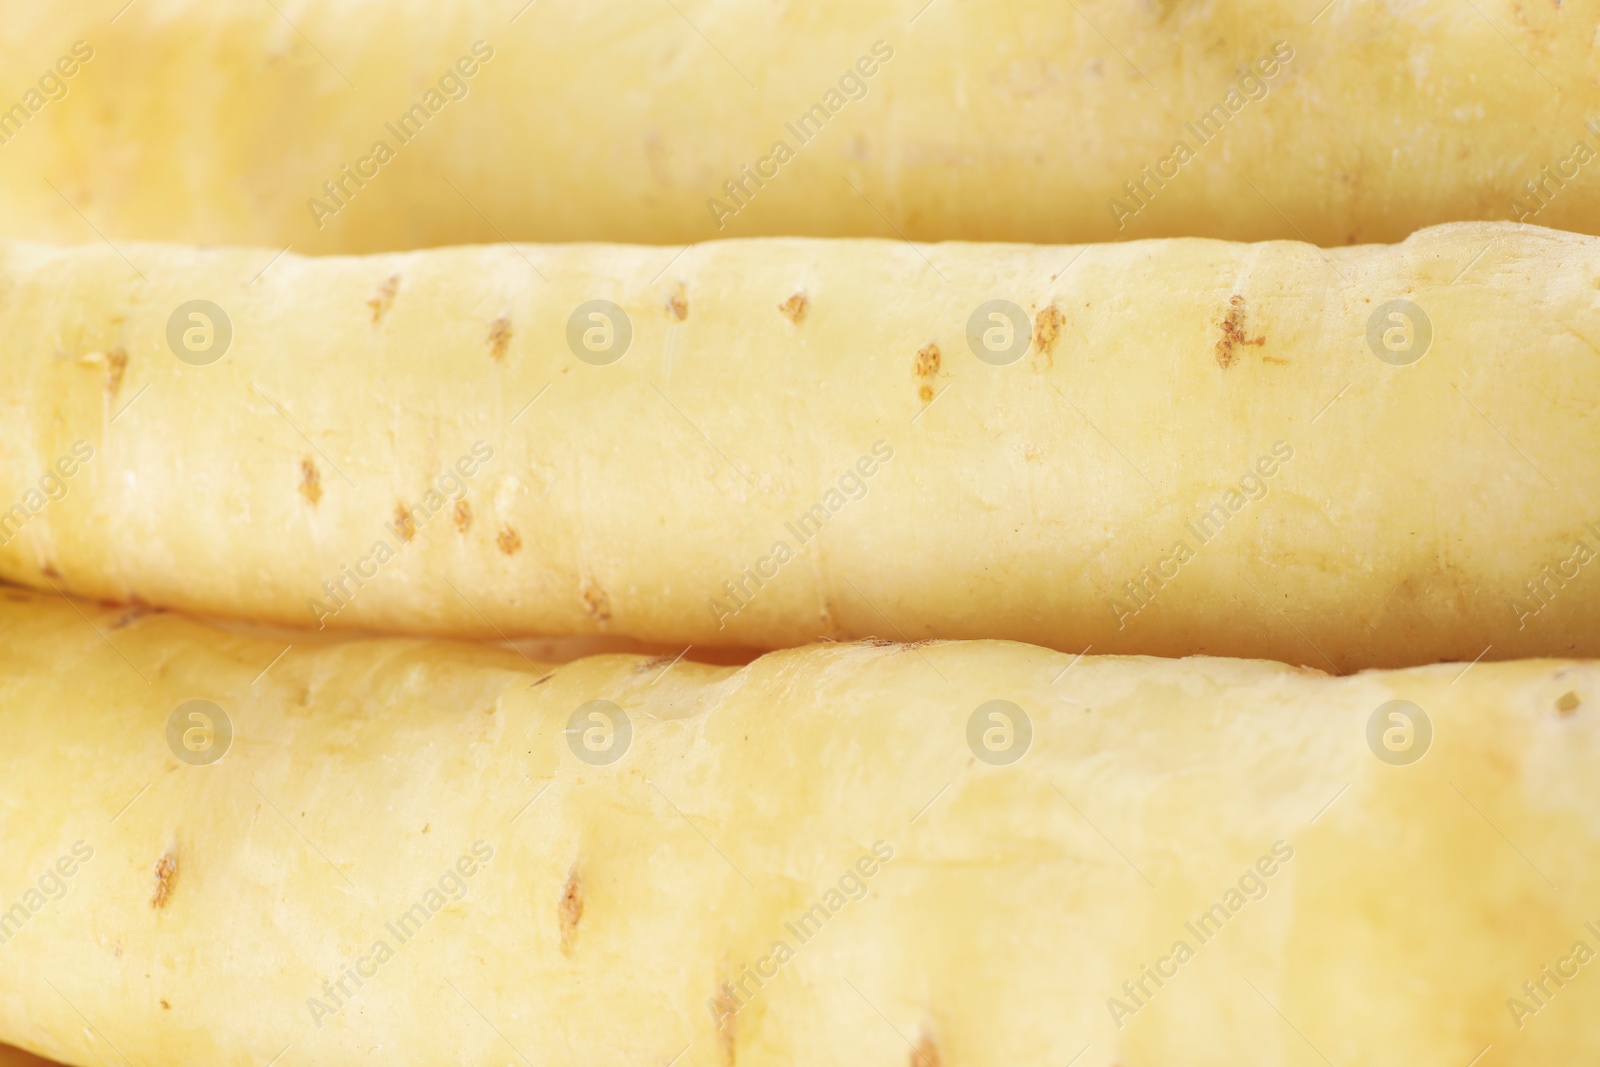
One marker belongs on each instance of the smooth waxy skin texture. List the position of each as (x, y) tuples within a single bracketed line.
[(1017, 901), (217, 122), (1417, 503)]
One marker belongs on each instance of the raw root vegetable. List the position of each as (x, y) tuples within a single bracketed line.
[(1382, 456), (1012, 120), (951, 853)]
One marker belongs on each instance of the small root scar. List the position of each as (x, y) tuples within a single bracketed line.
[(725, 1009), (463, 516), (116, 367), (596, 602), (570, 910), (499, 337), (1567, 703), (310, 481), (1233, 333), (509, 540), (677, 302), (404, 525), (166, 872), (794, 308), (925, 366), (1046, 329), (384, 298)]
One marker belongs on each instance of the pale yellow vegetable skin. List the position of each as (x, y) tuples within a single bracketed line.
[(1413, 520), (218, 121), (1402, 907)]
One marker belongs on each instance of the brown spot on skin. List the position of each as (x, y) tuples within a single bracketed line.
[(508, 541), (925, 366), (116, 367), (463, 516), (426, 827), (310, 482), (1567, 703), (725, 1008), (384, 299), (677, 303), (1233, 333), (166, 1006), (570, 910), (1275, 359), (596, 602), (926, 1054), (541, 681), (403, 523), (499, 337), (1047, 328), (166, 871), (794, 308), (49, 571)]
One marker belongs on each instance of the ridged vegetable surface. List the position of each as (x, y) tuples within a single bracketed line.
[(1375, 456), (372, 125), (953, 853)]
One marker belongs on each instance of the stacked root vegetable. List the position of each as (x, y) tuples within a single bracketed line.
[(995, 562)]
